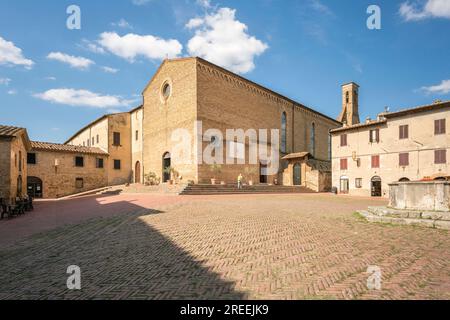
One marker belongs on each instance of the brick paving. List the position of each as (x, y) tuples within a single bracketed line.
[(231, 247)]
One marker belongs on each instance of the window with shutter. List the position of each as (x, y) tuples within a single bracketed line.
[(375, 161), (344, 164), (403, 134), (440, 156), (439, 126), (343, 140), (404, 159)]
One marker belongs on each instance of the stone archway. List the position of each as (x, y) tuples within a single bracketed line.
[(137, 172), (375, 184), (166, 163), (34, 187)]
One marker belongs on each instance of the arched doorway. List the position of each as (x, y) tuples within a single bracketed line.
[(404, 180), (34, 187), (297, 174), (440, 179), (166, 164), (376, 186), (137, 172), (344, 185)]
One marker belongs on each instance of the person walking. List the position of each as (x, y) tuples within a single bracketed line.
[(239, 180)]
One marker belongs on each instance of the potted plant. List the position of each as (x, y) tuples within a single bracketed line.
[(151, 179), (250, 171), (215, 169)]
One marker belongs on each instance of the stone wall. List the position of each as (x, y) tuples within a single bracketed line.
[(5, 168), (430, 196), (163, 116), (61, 180), (120, 122), (227, 101)]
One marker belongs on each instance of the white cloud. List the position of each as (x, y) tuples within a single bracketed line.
[(5, 81), (109, 70), (194, 23), (320, 7), (140, 2), (442, 88), (82, 98), (131, 46), (12, 92), (92, 47), (223, 40), (50, 78), (74, 62), (413, 11), (122, 23), (204, 3), (12, 55)]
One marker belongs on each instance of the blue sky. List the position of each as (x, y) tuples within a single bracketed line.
[(54, 80)]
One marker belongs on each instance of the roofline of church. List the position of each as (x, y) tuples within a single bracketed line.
[(198, 59), (100, 119)]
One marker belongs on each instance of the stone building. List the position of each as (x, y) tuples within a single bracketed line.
[(189, 91), (112, 134), (14, 145), (58, 170), (408, 145), (202, 101)]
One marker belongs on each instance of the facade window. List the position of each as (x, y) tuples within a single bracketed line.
[(343, 140), (358, 183), (79, 162), (93, 141), (375, 161), (98, 139), (284, 133), (313, 140), (347, 100), (31, 158), (374, 136), (166, 91), (440, 156), (116, 138), (344, 164), (404, 132), (20, 161), (137, 135), (116, 164), (84, 144), (439, 126), (100, 163), (88, 143), (79, 183), (403, 159)]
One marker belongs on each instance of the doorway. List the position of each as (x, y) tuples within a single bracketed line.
[(166, 166), (137, 172), (344, 185), (34, 187), (376, 186), (297, 174), (263, 172)]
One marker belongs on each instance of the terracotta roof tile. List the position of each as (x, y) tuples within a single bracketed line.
[(55, 147), (9, 131)]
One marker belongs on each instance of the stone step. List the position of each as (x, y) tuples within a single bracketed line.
[(232, 189), (411, 214)]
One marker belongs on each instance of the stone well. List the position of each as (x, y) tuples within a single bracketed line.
[(425, 203)]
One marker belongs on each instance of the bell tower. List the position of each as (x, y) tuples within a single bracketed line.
[(350, 104)]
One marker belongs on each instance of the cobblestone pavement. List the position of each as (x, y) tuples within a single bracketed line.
[(231, 247)]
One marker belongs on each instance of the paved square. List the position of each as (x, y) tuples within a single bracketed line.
[(231, 247)]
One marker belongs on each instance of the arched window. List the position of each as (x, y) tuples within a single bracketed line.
[(284, 133), (312, 143)]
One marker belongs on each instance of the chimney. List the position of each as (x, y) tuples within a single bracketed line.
[(350, 104)]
